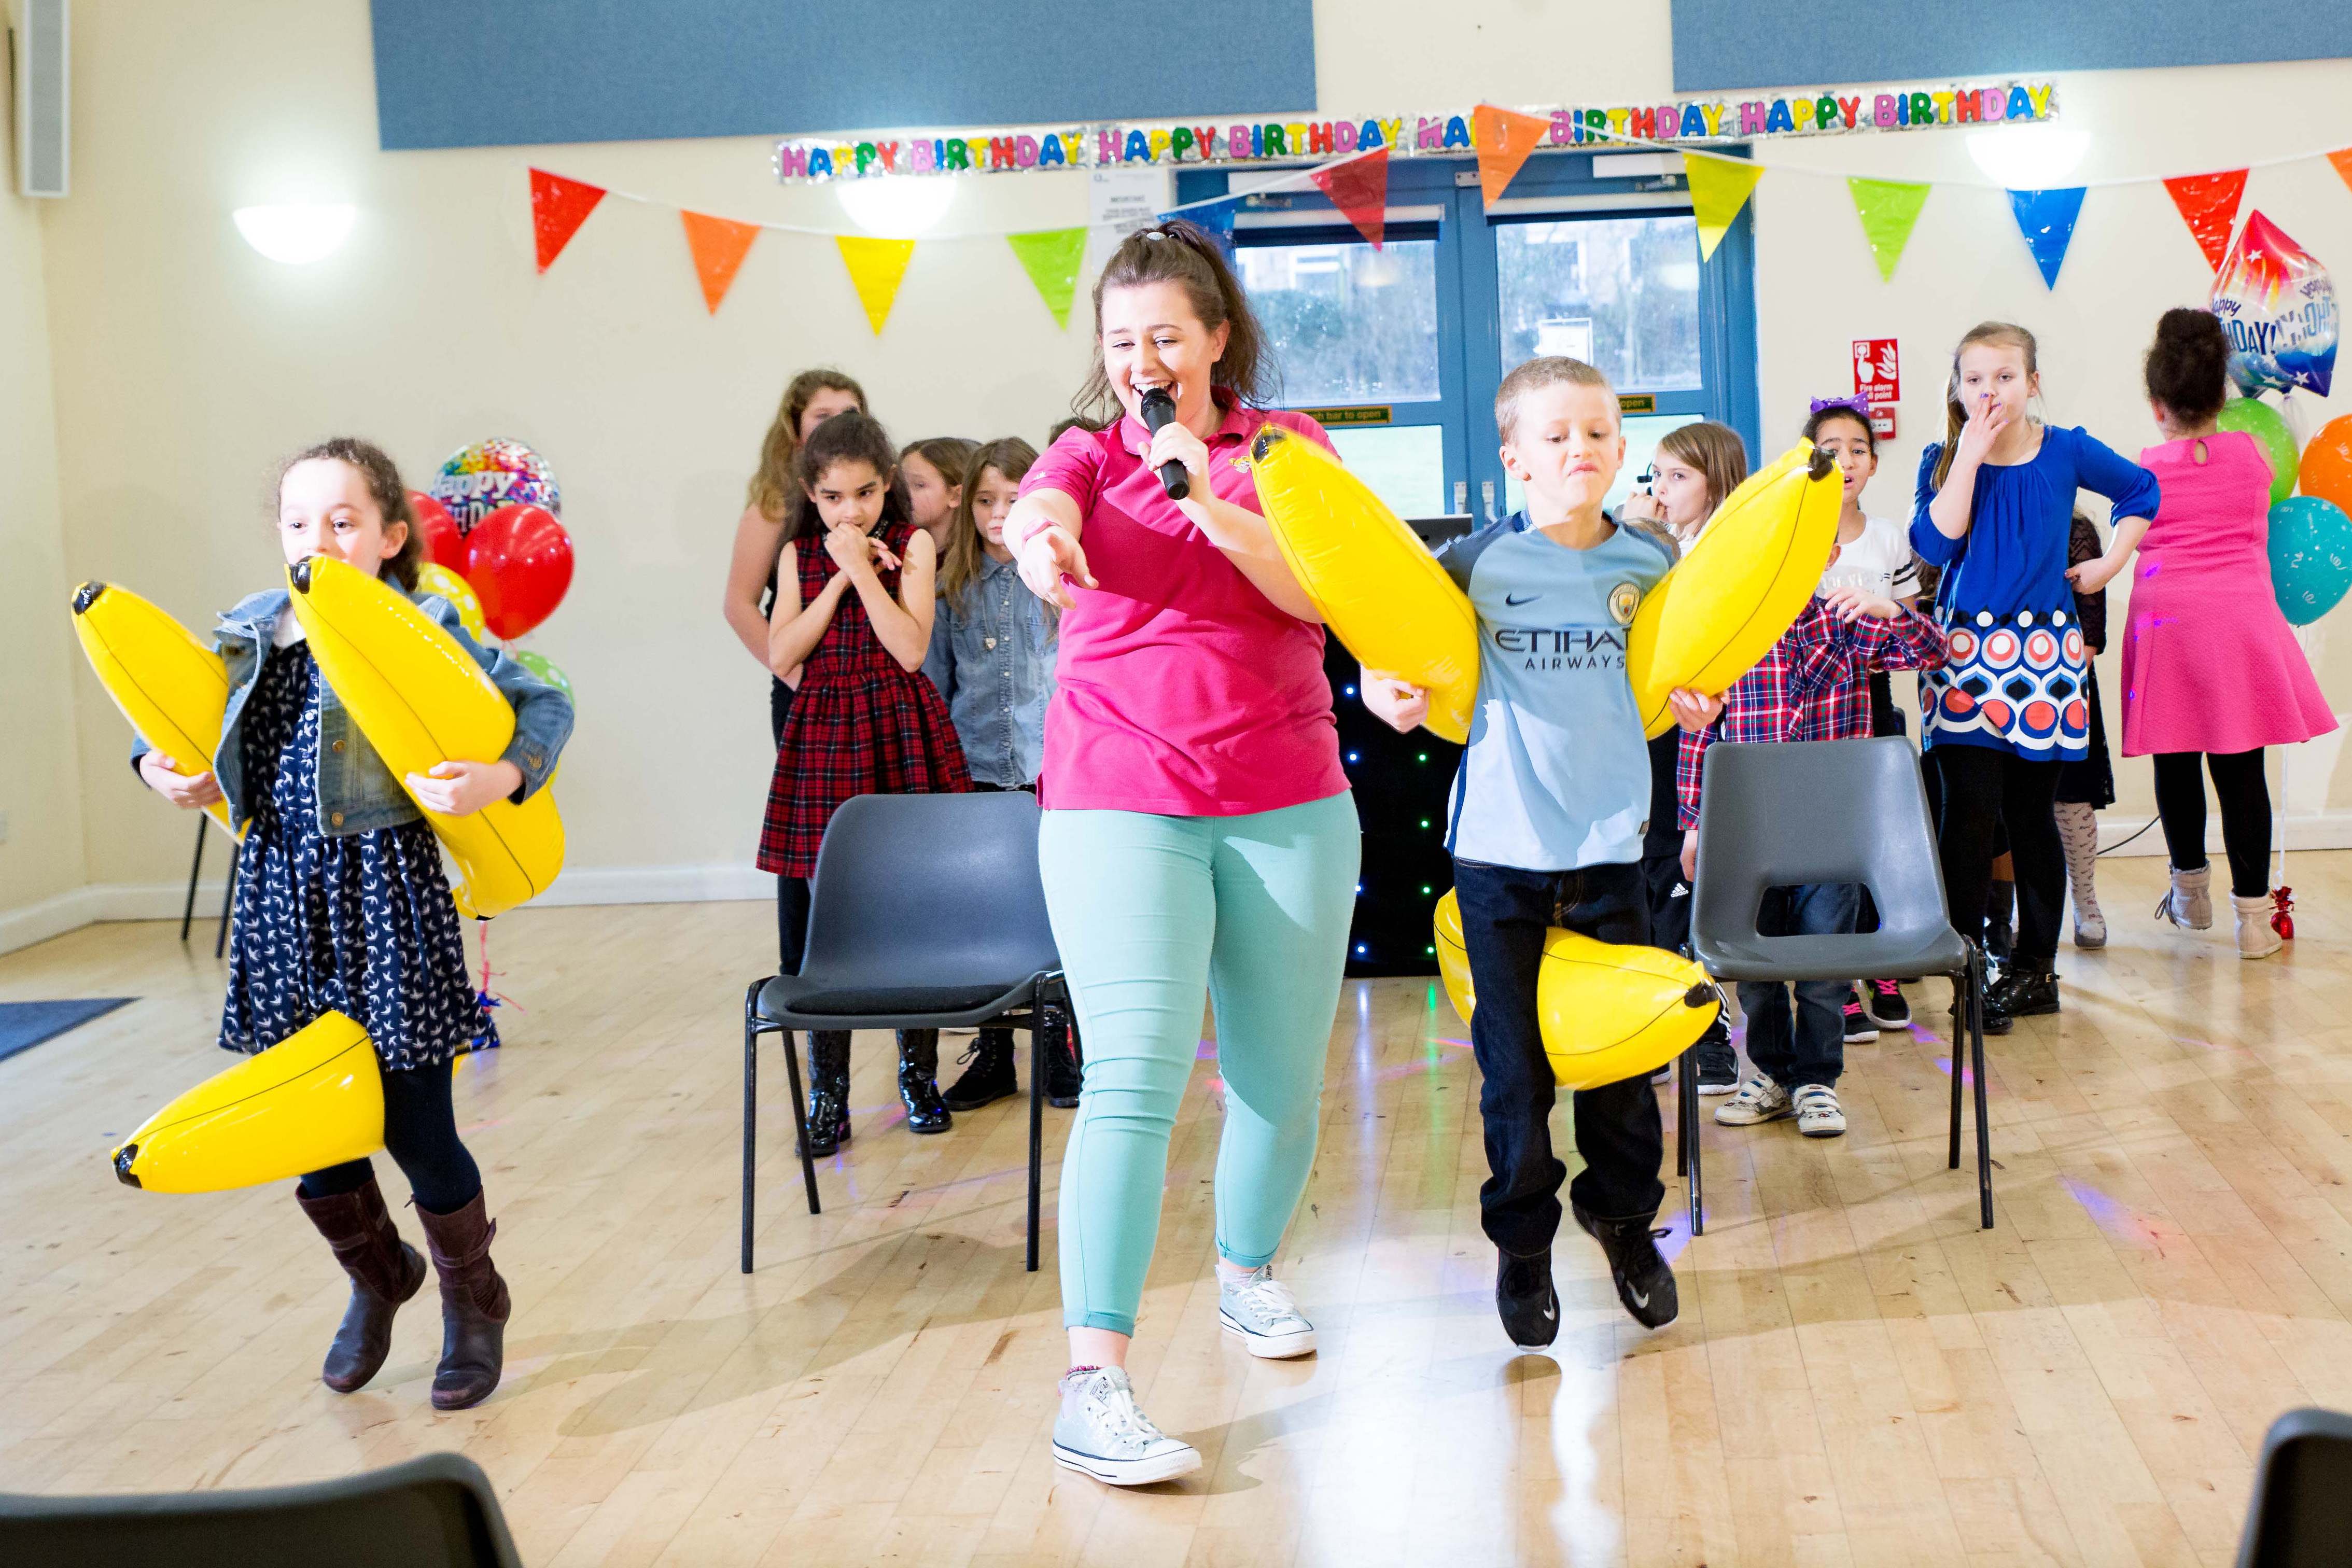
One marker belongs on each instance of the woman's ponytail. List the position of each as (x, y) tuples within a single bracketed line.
[(1177, 251)]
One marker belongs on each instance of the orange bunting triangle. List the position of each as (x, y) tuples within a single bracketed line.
[(718, 245), (1359, 189), (557, 207), (1505, 140), (1719, 188), (877, 268), (2209, 205), (2343, 161)]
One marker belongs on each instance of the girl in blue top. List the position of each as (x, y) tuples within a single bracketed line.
[(1994, 513)]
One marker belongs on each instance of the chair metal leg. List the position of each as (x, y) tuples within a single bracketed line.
[(195, 870), (228, 899), (1966, 980), (751, 1107), (800, 1118), (1690, 1136), (1037, 1001), (1682, 1112), (1984, 1144)]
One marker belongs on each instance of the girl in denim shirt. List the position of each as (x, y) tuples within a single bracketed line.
[(992, 658), (342, 905)]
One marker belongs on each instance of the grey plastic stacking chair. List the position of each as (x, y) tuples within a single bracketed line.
[(927, 913), (1834, 811), (2300, 1515), (434, 1511)]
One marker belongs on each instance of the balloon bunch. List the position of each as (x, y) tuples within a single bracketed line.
[(2278, 305), (496, 545)]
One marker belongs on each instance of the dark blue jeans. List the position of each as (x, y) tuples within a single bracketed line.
[(1812, 1048), (1670, 918), (1504, 914)]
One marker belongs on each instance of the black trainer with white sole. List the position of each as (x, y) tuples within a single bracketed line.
[(1525, 1300), (1645, 1283)]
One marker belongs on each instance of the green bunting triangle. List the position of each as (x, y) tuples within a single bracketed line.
[(1051, 257), (1887, 209)]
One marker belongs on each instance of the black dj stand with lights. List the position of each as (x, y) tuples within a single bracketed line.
[(1401, 782)]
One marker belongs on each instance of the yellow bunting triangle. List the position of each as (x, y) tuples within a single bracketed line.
[(1719, 188), (876, 266)]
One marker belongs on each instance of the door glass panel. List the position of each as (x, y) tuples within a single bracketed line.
[(1642, 433), (1618, 293), (1404, 464), (1349, 323)]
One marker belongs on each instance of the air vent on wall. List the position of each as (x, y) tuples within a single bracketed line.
[(43, 161)]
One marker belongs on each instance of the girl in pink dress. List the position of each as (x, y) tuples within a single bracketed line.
[(2210, 666)]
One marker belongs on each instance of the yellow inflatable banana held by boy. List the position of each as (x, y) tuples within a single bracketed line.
[(421, 700), (1375, 583), (311, 1101), (1740, 587), (172, 687), (1609, 1012)]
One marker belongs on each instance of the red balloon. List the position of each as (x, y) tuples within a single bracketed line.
[(518, 560), (444, 545)]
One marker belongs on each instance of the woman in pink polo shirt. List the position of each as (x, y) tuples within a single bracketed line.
[(1197, 829)]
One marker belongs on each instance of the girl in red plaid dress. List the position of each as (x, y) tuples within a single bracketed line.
[(854, 604)]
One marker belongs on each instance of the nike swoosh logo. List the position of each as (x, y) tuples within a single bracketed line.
[(1550, 1313), (1640, 1299), (1515, 601)]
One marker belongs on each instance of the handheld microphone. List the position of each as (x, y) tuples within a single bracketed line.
[(1157, 409)]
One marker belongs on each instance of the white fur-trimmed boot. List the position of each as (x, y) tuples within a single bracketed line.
[(2189, 904), (2256, 939)]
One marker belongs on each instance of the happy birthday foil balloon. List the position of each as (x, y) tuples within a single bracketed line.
[(2278, 305)]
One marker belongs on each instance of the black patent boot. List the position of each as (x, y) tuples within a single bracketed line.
[(989, 1078), (1063, 1075), (919, 1081), (2029, 988), (828, 1105)]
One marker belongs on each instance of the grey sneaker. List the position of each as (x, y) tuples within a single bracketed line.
[(1758, 1099), (1259, 1308), (1100, 1433)]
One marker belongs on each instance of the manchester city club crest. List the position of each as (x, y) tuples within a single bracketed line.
[(1623, 600)]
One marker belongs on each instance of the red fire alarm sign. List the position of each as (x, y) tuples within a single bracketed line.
[(1878, 375)]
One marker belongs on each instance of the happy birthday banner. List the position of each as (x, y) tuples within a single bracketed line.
[(1023, 148), (1503, 140)]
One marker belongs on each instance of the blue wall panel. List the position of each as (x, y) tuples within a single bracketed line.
[(485, 73), (1732, 44)]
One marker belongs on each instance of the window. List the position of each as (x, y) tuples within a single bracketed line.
[(1349, 323), (1621, 293)]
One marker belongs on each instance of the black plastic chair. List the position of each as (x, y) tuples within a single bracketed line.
[(436, 1511), (1834, 811), (2300, 1515), (927, 913)]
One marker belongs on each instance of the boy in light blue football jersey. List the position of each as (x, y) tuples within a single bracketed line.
[(1545, 827)]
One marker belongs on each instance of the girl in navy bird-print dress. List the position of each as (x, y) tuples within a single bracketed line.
[(342, 906)]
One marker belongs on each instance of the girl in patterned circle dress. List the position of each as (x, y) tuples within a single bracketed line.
[(342, 906), (853, 608)]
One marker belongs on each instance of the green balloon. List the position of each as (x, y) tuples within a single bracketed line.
[(544, 667), (2261, 421)]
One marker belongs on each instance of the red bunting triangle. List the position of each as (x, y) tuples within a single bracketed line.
[(1359, 189), (2209, 205), (1505, 142), (718, 245), (557, 207)]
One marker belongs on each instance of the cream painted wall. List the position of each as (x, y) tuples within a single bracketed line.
[(41, 863), (186, 364)]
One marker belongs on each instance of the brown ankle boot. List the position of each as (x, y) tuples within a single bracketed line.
[(474, 1305), (384, 1270)]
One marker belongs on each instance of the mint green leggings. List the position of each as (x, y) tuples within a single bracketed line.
[(1148, 911)]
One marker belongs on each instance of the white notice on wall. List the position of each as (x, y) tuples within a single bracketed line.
[(1127, 199)]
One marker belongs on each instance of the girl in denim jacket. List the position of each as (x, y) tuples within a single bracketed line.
[(342, 905)]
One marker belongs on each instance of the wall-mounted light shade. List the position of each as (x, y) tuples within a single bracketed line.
[(897, 208), (2028, 157), (295, 232)]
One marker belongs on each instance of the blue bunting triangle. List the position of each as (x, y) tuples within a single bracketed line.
[(1217, 217), (2046, 218)]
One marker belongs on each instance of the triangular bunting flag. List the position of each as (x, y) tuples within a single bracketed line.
[(2343, 161), (1719, 188), (2046, 218), (557, 207), (1217, 217), (2209, 205), (720, 246), (1504, 140), (876, 266), (1051, 257), (1887, 209), (1359, 189)]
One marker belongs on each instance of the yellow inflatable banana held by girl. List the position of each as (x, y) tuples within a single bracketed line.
[(1609, 1012), (172, 687), (311, 1101), (1741, 586), (1377, 586), (421, 700)]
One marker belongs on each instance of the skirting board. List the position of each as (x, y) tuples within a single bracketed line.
[(714, 884)]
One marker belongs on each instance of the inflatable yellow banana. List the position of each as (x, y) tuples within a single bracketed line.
[(1609, 1012), (421, 700), (1375, 583), (1725, 605), (311, 1101), (172, 687)]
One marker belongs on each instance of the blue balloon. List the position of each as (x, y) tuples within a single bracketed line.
[(2311, 556)]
